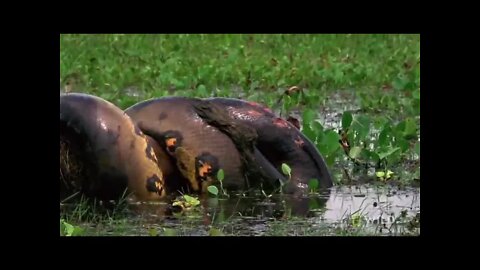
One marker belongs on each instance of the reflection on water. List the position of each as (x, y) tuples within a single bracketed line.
[(373, 210), (373, 203)]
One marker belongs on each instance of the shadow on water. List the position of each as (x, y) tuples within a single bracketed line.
[(353, 210)]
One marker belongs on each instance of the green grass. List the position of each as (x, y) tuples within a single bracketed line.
[(376, 76), (156, 63)]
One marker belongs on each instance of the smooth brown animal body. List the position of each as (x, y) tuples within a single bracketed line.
[(174, 123), (110, 152), (280, 142), (163, 145)]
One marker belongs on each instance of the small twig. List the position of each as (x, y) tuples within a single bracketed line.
[(71, 196)]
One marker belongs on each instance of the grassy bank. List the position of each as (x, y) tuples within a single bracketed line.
[(158, 63)]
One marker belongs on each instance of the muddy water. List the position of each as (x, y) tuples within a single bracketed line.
[(344, 211)]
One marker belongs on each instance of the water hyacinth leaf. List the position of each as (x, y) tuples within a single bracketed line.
[(351, 136), (317, 127), (330, 158), (384, 137), (220, 175), (389, 151), (361, 124), (330, 141), (400, 128), (308, 116), (346, 119), (307, 131), (286, 169), (68, 228), (191, 200), (370, 155), (213, 190), (403, 144), (394, 157), (410, 131), (381, 121), (355, 152)]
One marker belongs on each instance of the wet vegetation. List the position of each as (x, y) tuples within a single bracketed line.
[(357, 97)]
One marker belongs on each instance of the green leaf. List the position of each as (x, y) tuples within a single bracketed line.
[(307, 131), (406, 129), (410, 131), (380, 174), (361, 124), (417, 148), (381, 121), (403, 144), (68, 228), (385, 135), (355, 151), (330, 158), (346, 119), (213, 190), (313, 184), (388, 152), (286, 169), (308, 116), (220, 175), (371, 155), (400, 128), (317, 127), (191, 200), (330, 141)]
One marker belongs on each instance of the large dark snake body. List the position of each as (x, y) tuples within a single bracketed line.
[(164, 145)]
